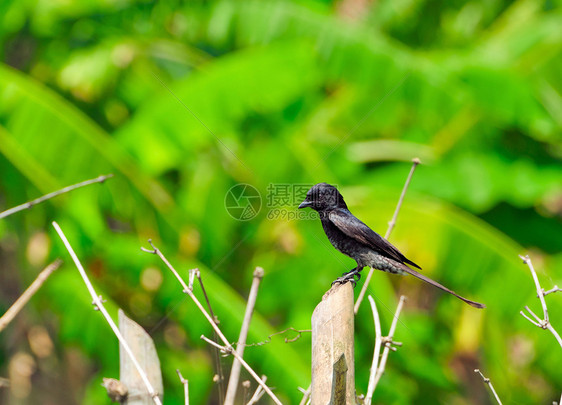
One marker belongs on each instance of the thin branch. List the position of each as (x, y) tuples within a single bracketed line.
[(305, 397), (258, 394), (29, 204), (186, 289), (539, 320), (216, 358), (555, 333), (388, 341), (541, 323), (527, 260), (391, 224), (27, 294), (378, 343), (552, 290), (223, 349), (287, 340), (236, 366), (228, 347), (98, 303), (198, 275), (487, 381), (530, 320), (185, 387)]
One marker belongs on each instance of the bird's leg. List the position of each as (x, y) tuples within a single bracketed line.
[(349, 276)]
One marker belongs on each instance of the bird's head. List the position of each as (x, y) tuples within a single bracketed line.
[(322, 197)]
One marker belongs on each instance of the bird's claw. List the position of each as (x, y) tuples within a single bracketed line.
[(343, 280), (347, 277)]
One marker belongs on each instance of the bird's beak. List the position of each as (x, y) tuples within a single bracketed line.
[(305, 204)]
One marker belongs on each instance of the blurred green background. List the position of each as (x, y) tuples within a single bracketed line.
[(183, 100)]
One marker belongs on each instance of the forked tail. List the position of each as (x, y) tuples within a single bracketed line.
[(442, 287)]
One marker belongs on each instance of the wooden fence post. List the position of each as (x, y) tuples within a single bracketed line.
[(333, 365)]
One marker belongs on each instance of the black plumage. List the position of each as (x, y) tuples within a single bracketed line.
[(355, 239)]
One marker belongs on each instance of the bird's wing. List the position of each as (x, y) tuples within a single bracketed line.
[(346, 222)]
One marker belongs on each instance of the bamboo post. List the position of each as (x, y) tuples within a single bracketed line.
[(142, 346), (332, 348)]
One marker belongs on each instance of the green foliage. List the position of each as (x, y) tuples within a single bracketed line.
[(183, 101)]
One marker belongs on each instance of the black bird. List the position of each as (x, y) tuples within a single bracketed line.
[(355, 239)]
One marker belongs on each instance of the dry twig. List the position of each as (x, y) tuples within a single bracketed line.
[(185, 387), (378, 343), (487, 381), (258, 393), (287, 340), (552, 290), (305, 396), (27, 294), (193, 273), (388, 342), (236, 366), (29, 204), (391, 224), (198, 275), (98, 305), (541, 323), (227, 348)]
